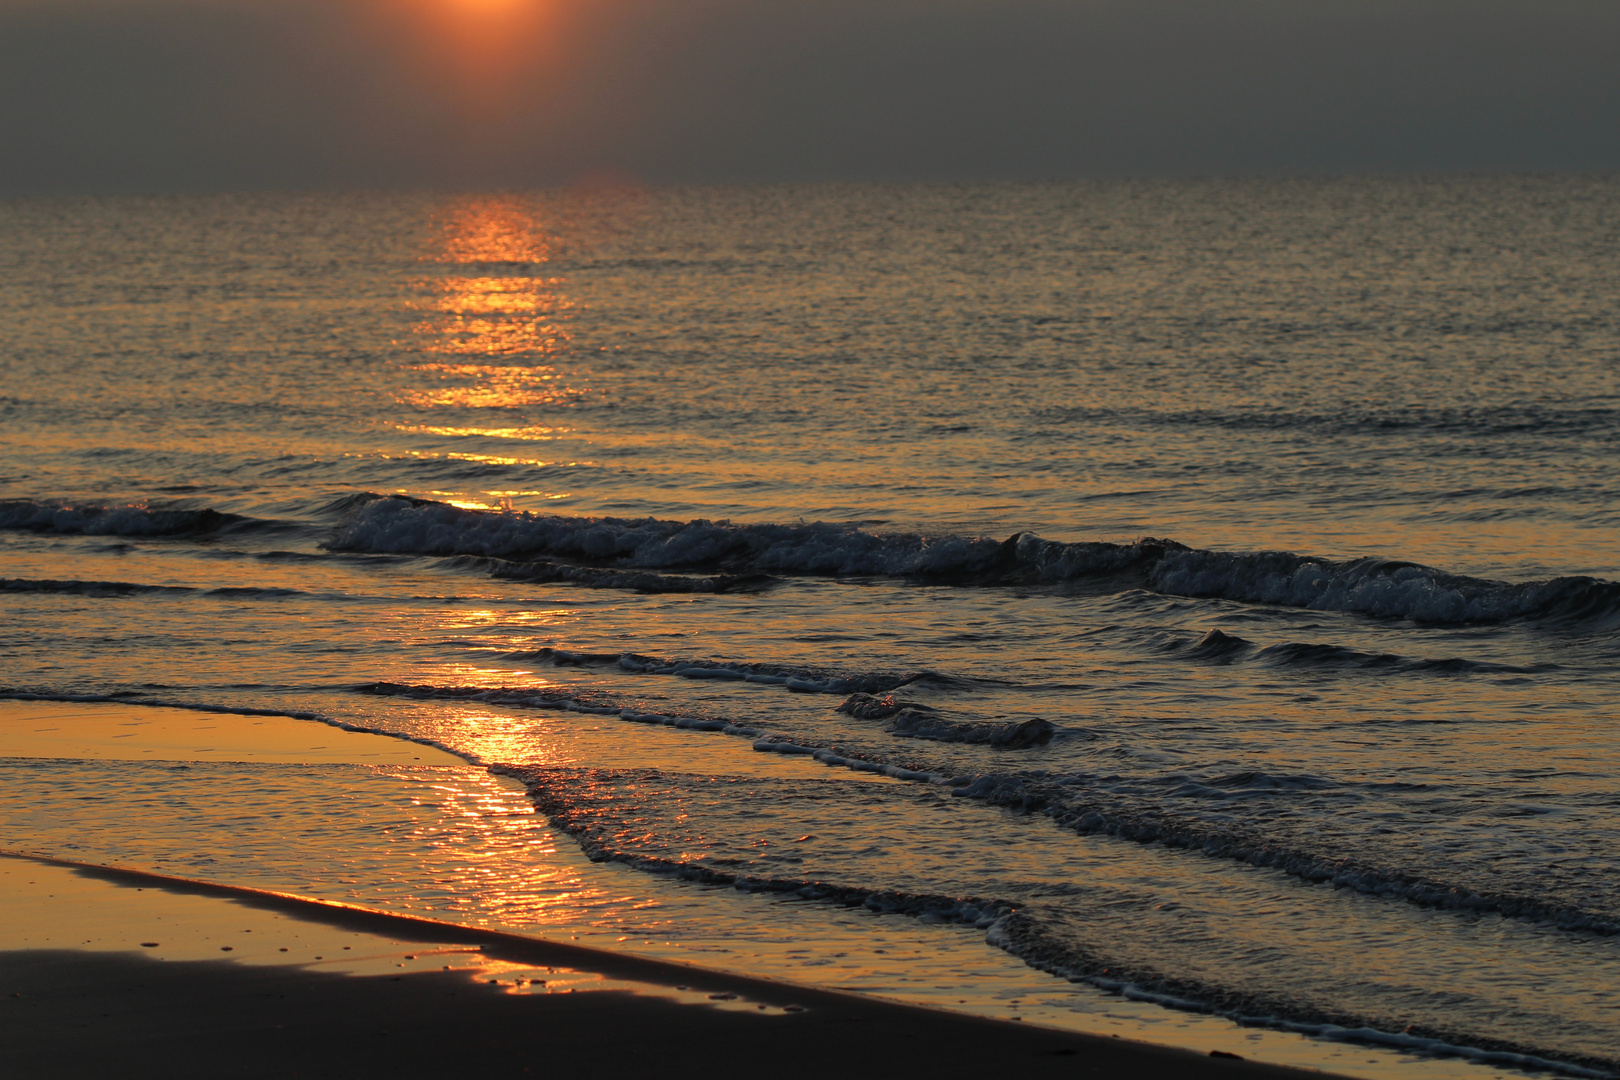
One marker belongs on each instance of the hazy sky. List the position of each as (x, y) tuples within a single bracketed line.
[(159, 95)]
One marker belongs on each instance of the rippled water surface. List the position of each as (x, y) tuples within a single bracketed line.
[(1206, 591)]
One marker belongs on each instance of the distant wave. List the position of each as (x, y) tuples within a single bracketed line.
[(1488, 423), (85, 588), (131, 520), (1217, 646), (1310, 655), (130, 588), (1383, 588)]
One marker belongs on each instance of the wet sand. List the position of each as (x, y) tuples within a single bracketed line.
[(120, 972), (109, 730)]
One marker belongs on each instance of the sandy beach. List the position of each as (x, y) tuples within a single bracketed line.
[(113, 971)]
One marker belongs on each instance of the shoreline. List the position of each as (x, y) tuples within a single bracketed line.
[(164, 1010), (1003, 989)]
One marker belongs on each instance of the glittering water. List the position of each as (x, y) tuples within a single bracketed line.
[(1205, 590)]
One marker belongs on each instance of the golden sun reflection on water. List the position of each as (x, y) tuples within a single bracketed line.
[(491, 229), (488, 386), (533, 433), (499, 500), (493, 318)]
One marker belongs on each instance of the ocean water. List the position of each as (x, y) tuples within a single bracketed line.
[(1202, 593)]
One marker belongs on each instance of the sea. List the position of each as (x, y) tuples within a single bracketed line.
[(1182, 607)]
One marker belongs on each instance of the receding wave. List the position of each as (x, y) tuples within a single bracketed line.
[(672, 823), (804, 678), (552, 790), (1378, 587), (1038, 939), (1071, 801), (595, 577), (568, 701), (1090, 815), (575, 701)]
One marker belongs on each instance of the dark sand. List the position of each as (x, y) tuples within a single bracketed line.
[(264, 1005)]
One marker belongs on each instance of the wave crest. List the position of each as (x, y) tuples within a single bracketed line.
[(1381, 588)]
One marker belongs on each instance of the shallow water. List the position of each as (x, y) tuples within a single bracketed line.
[(629, 493)]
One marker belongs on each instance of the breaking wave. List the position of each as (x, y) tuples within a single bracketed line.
[(1382, 588)]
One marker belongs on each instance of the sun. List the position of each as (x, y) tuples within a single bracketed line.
[(480, 45), (450, 13), (489, 7), (482, 58)]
